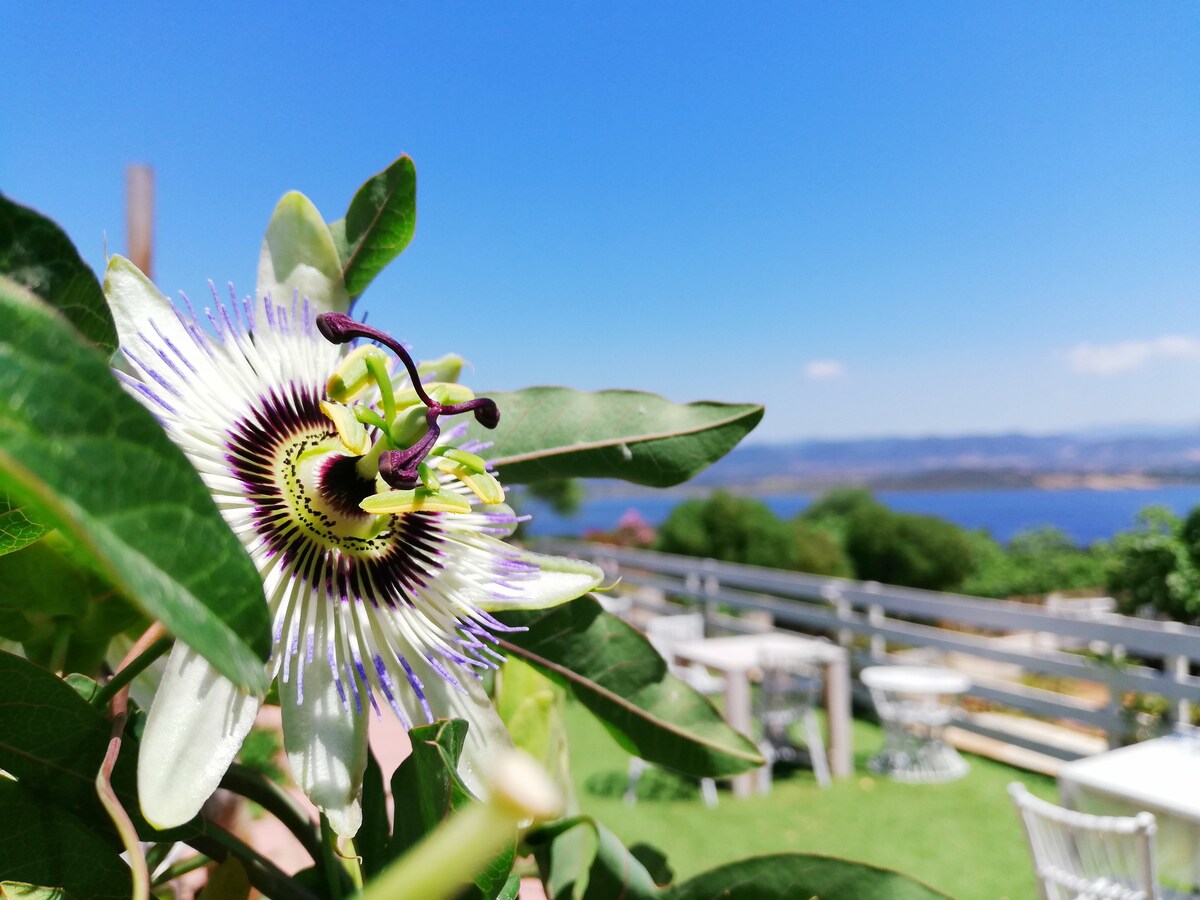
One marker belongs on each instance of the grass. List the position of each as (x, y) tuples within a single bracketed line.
[(962, 838)]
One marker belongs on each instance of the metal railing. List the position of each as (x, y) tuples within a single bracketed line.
[(874, 620)]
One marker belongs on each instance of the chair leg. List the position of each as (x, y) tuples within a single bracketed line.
[(708, 791), (767, 770), (637, 766), (816, 748)]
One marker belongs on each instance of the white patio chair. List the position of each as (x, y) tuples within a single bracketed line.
[(913, 724), (1078, 856), (789, 692)]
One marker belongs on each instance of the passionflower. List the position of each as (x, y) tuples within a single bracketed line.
[(377, 531)]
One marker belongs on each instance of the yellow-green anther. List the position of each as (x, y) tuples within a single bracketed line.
[(351, 431), (418, 500), (352, 375), (470, 460), (428, 478), (447, 393), (482, 485), (409, 427), (407, 398), (448, 368), (368, 416), (377, 366)]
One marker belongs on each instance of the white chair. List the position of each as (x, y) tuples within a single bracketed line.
[(908, 700), (665, 633), (788, 694), (1078, 856)]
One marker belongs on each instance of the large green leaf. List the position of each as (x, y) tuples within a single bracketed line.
[(427, 788), (37, 254), (596, 868), (378, 225), (613, 671), (53, 742), (46, 845), (788, 876), (17, 529), (90, 460), (556, 432)]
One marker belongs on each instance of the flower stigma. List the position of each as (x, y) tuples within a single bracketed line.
[(405, 454)]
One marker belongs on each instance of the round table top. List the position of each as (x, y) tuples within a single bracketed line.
[(915, 680)]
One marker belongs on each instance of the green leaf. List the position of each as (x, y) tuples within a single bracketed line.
[(428, 783), (378, 225), (611, 669), (595, 868), (53, 742), (63, 613), (17, 530), (23, 890), (37, 254), (787, 876), (555, 432), (372, 838), (94, 463), (46, 845), (299, 259)]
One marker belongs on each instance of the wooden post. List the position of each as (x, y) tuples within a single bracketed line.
[(139, 217)]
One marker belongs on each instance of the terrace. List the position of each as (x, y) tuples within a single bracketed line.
[(962, 837)]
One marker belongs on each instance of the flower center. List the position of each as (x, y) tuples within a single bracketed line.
[(405, 454)]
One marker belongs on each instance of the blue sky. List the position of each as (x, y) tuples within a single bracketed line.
[(875, 218)]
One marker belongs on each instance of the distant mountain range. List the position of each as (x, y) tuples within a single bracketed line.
[(1098, 458)]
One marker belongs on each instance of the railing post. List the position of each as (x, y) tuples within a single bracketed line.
[(1180, 668), (875, 616), (832, 593), (711, 587), (1115, 707)]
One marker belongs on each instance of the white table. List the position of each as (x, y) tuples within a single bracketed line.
[(737, 658), (1161, 776), (909, 700)]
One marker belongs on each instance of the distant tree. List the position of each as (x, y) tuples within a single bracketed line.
[(819, 552), (910, 550), (729, 528), (890, 547), (1036, 561), (1153, 566), (563, 495)]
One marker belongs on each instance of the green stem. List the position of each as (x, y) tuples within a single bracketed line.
[(255, 786), (156, 854), (58, 655), (332, 862), (130, 670), (139, 872), (179, 869), (217, 843)]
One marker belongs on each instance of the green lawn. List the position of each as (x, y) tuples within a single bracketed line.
[(962, 838)]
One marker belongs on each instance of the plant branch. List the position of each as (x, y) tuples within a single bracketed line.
[(150, 646), (217, 843), (252, 785)]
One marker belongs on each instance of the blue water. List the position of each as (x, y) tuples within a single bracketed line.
[(1084, 515)]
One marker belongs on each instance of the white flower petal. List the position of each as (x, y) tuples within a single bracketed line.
[(326, 742), (558, 580), (138, 307), (197, 723), (299, 257)]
